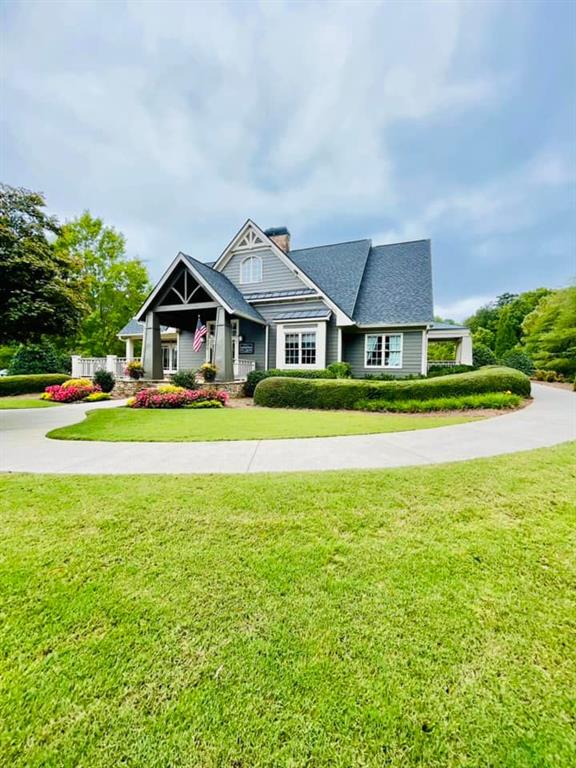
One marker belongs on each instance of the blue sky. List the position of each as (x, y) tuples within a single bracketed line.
[(176, 121)]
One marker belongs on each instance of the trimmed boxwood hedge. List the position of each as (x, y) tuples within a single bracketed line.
[(21, 385), (345, 393)]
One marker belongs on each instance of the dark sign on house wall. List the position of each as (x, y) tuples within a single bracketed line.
[(246, 348)]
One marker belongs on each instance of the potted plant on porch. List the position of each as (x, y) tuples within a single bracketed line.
[(134, 369), (208, 371)]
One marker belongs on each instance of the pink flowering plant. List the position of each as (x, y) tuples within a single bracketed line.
[(59, 393), (182, 398)]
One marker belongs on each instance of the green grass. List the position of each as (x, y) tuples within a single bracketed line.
[(9, 403), (237, 424), (414, 617)]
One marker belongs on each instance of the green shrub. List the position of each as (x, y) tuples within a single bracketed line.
[(21, 385), (6, 355), (340, 370), (186, 379), (105, 380), (496, 400), (518, 360), (392, 377), (541, 375), (38, 358), (482, 355), (254, 377), (345, 393), (199, 404), (442, 370)]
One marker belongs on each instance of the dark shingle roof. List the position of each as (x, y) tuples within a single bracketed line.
[(336, 269), (397, 285), (135, 328), (281, 294), (273, 231), (225, 289), (304, 314), (448, 327)]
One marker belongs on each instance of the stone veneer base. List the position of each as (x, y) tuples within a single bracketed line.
[(129, 387)]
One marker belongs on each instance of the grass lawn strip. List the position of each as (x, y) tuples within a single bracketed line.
[(10, 403), (125, 424), (411, 617)]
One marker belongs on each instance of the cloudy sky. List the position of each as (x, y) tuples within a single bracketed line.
[(176, 121)]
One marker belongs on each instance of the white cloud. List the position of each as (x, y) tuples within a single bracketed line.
[(463, 308), (182, 119)]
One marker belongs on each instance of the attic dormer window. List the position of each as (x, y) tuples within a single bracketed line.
[(251, 270)]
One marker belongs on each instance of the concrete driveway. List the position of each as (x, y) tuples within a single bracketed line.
[(549, 420)]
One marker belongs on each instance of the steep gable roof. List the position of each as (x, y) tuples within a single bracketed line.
[(225, 289), (396, 286), (336, 269)]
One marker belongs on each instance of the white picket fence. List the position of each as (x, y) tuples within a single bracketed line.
[(86, 367), (242, 368)]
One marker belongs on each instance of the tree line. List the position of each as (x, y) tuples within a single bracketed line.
[(537, 329), (64, 288)]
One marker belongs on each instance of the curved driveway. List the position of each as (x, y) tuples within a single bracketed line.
[(551, 419)]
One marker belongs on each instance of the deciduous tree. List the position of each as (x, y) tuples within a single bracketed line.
[(115, 285), (41, 290)]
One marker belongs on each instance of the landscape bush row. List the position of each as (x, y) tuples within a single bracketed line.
[(22, 385), (346, 394), (492, 400), (171, 396), (334, 371)]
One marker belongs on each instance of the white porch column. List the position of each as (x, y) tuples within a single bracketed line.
[(129, 349), (223, 346), (464, 351), (76, 367)]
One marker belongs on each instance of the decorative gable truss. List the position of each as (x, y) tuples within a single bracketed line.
[(250, 240), (184, 289)]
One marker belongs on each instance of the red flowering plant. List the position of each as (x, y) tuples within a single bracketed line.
[(69, 394), (183, 398)]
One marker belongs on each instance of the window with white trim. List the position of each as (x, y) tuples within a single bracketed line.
[(383, 350), (170, 357), (300, 348), (251, 270)]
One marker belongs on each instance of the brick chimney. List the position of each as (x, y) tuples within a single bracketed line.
[(280, 236)]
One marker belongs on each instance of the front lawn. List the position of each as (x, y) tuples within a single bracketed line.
[(411, 617), (237, 424), (9, 403)]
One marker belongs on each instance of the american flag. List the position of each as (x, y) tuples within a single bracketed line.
[(198, 335)]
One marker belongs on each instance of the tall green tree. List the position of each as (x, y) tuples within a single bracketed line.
[(550, 332), (506, 331), (41, 289), (115, 285)]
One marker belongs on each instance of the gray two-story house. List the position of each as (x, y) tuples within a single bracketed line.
[(267, 306)]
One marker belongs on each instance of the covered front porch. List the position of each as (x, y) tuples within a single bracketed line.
[(455, 342)]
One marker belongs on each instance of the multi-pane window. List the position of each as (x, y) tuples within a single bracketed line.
[(251, 270), (169, 357), (384, 350), (300, 348)]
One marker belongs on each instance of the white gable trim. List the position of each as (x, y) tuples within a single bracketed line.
[(181, 259), (341, 317)]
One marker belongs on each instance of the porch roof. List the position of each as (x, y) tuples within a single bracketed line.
[(225, 290), (135, 328)]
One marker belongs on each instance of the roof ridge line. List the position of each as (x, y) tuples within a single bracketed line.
[(329, 245), (404, 242), (361, 278)]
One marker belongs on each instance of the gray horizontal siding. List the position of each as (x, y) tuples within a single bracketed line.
[(353, 352), (188, 359), (276, 276), (331, 342), (257, 334)]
